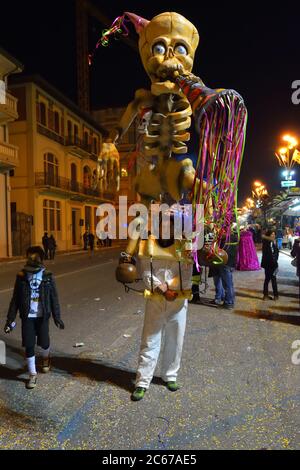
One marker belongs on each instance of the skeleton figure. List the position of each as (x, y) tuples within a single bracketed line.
[(167, 46), (108, 168)]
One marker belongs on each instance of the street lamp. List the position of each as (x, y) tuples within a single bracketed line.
[(259, 190), (287, 156)]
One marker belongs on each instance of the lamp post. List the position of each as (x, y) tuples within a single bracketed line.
[(260, 195), (287, 156)]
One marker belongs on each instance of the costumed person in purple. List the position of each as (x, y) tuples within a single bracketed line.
[(247, 256)]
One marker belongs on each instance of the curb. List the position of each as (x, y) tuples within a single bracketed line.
[(17, 259)]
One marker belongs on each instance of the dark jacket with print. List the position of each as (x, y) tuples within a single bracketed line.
[(269, 257), (22, 295)]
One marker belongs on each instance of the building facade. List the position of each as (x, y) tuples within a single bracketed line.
[(55, 188), (9, 159)]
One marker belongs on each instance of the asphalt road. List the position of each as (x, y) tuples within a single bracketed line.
[(240, 388)]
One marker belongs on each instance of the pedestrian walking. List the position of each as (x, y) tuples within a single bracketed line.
[(223, 275), (296, 261), (52, 247), (85, 240), (269, 262), (279, 237), (91, 241), (35, 297), (45, 243)]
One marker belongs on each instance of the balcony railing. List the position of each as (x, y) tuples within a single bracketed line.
[(8, 110), (64, 184), (9, 157), (50, 134), (77, 145), (75, 141)]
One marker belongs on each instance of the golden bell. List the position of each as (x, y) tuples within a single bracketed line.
[(126, 273)]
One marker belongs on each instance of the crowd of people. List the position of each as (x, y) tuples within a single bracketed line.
[(36, 304), (50, 245), (242, 256), (89, 241)]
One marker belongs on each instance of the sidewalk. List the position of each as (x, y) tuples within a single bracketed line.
[(17, 259)]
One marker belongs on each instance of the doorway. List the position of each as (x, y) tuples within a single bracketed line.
[(75, 226)]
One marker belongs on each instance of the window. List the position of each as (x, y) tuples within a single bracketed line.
[(88, 217), (95, 145), (3, 134), (51, 215), (74, 185), (70, 128), (56, 122), (75, 134), (51, 170), (85, 139), (43, 119), (87, 177)]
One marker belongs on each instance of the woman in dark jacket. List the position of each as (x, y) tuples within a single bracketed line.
[(269, 262), (35, 297)]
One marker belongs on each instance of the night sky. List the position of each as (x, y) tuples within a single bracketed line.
[(253, 48)]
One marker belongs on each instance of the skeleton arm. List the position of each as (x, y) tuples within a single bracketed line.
[(142, 99)]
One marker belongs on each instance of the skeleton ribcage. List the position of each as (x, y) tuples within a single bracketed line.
[(167, 133)]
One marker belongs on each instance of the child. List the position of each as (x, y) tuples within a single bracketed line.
[(35, 296)]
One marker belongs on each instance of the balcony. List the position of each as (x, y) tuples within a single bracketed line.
[(74, 144), (58, 184), (79, 147), (8, 110), (50, 134), (9, 157)]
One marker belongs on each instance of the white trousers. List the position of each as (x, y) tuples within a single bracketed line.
[(168, 316)]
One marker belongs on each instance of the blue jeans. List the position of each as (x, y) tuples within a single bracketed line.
[(224, 285), (279, 243), (220, 293)]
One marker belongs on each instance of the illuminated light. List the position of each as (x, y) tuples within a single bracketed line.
[(283, 151), (257, 183), (291, 140)]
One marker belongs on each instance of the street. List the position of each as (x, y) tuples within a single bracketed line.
[(239, 386)]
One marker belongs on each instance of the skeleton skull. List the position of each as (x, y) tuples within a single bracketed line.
[(167, 44)]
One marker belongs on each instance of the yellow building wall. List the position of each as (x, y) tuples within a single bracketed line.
[(28, 197)]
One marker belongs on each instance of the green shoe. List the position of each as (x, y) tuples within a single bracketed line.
[(172, 386), (138, 394)]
